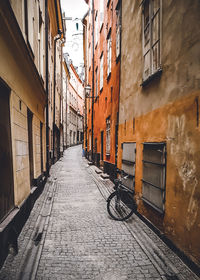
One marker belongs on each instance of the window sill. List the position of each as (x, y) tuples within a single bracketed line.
[(96, 98), (155, 75), (101, 27), (161, 211), (108, 2), (118, 58), (108, 77)]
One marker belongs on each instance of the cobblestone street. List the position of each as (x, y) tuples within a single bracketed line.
[(69, 234)]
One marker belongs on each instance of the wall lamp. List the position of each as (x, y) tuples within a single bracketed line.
[(87, 91)]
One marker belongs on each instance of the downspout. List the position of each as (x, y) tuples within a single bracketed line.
[(92, 78), (47, 87)]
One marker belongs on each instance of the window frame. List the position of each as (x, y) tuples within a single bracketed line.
[(96, 29), (109, 54), (101, 71), (152, 185), (108, 129), (96, 82), (146, 78), (101, 16), (118, 30)]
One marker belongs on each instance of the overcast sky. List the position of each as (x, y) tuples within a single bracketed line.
[(74, 8)]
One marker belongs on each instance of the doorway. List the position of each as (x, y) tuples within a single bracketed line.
[(30, 144), (41, 146), (6, 163)]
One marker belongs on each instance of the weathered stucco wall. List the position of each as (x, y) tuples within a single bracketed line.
[(166, 110), (180, 59)]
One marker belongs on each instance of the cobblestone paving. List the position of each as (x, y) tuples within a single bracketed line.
[(69, 234)]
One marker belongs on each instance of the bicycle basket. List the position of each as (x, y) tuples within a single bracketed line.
[(127, 198)]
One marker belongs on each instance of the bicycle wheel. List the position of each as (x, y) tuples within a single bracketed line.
[(117, 209)]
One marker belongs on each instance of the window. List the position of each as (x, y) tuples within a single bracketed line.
[(108, 136), (101, 72), (101, 17), (96, 82), (154, 166), (90, 140), (151, 38), (89, 55), (109, 52), (96, 29), (118, 29)]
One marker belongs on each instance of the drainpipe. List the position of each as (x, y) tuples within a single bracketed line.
[(92, 78), (47, 87)]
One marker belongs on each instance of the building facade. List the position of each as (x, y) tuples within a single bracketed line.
[(74, 99), (25, 79), (102, 62), (159, 128)]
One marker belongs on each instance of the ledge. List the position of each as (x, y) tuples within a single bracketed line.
[(152, 77)]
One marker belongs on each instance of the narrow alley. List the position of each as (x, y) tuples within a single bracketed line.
[(69, 234)]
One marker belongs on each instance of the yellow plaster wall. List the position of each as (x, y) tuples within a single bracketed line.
[(16, 71), (175, 124)]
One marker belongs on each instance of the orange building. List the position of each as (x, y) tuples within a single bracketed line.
[(102, 63)]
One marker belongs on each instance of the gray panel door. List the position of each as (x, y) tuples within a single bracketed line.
[(128, 163)]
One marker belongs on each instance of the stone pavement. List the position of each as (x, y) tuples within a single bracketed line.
[(69, 234)]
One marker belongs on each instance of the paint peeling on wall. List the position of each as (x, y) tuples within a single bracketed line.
[(182, 149)]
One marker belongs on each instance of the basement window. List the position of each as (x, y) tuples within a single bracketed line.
[(154, 169)]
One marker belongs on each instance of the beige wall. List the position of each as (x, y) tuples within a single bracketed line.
[(18, 72)]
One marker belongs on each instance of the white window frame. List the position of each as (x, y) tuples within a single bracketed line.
[(109, 53), (96, 82), (89, 55), (101, 72), (108, 125), (151, 46), (96, 29), (101, 16), (118, 31)]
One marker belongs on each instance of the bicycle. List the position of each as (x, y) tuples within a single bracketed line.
[(121, 203)]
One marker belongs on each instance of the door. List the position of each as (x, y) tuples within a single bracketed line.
[(101, 145), (6, 165), (30, 144), (128, 163)]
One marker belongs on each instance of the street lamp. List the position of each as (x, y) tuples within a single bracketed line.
[(87, 91)]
